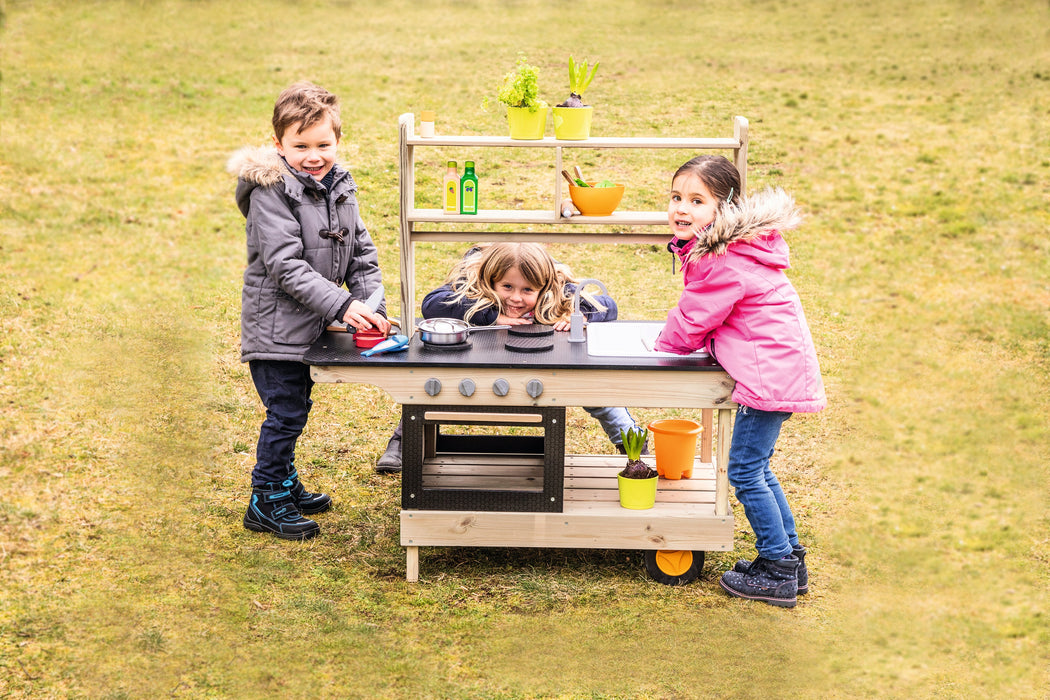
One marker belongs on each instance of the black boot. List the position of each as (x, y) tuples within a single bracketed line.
[(306, 501), (390, 461), (743, 566), (272, 509), (773, 582)]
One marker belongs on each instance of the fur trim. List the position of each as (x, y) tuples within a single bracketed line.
[(258, 165), (770, 209)]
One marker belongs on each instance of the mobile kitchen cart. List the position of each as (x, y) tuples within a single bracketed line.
[(523, 490)]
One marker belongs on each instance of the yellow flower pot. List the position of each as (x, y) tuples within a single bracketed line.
[(526, 125), (572, 123), (637, 494)]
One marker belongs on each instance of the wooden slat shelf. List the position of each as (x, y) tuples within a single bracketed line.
[(683, 518), (537, 216)]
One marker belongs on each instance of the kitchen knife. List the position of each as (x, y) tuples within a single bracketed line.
[(375, 299)]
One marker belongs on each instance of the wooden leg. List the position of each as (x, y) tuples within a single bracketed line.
[(412, 564), (722, 462), (706, 436)]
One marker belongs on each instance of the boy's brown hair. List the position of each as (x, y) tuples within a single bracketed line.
[(306, 104)]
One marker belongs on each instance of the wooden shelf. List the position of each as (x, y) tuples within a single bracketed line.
[(597, 142), (534, 216), (575, 229), (683, 518)]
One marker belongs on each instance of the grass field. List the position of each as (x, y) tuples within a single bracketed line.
[(914, 136)]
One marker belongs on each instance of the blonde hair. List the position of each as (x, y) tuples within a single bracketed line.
[(475, 277), (306, 104)]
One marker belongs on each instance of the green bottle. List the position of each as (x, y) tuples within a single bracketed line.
[(468, 190)]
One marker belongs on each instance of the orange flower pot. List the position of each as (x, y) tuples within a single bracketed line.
[(675, 443)]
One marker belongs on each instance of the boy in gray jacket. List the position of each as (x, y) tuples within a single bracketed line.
[(310, 262)]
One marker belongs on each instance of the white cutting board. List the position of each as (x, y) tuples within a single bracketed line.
[(627, 339)]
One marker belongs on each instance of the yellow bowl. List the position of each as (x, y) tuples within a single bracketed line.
[(596, 201)]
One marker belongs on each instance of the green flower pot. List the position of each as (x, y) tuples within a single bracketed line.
[(526, 125), (637, 494)]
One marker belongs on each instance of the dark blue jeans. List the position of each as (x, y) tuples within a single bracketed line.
[(754, 437), (284, 388)]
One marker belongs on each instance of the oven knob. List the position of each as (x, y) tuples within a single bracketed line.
[(432, 386), (500, 387), (466, 387), (534, 388)]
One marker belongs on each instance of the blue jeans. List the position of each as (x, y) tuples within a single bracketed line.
[(754, 437), (284, 388), (613, 420)]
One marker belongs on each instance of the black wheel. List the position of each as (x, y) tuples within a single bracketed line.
[(673, 567)]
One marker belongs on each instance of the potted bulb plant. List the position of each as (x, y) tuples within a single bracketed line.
[(572, 118), (526, 112), (637, 481)]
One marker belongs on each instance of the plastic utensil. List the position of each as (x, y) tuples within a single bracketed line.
[(392, 344)]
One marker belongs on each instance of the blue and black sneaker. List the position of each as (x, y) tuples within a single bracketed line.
[(272, 509), (307, 502)]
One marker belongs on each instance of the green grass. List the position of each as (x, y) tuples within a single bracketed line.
[(914, 136)]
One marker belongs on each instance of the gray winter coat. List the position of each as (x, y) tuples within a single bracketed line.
[(297, 267)]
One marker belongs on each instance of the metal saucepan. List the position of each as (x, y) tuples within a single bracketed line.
[(449, 331)]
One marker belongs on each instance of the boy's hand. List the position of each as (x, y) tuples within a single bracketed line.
[(362, 318)]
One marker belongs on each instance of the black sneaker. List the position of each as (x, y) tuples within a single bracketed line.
[(272, 509), (773, 582), (306, 501), (743, 566)]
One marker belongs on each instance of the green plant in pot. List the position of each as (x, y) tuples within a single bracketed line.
[(637, 480), (572, 118), (526, 112)]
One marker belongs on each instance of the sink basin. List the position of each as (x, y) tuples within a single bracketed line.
[(627, 339)]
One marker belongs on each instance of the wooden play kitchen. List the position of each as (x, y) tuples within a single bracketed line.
[(518, 488)]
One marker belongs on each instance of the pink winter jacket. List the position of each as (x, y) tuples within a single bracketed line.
[(740, 306)]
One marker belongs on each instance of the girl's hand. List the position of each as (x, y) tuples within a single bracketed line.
[(362, 318), (502, 320), (562, 324)]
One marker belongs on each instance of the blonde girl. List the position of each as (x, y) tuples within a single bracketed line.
[(514, 284)]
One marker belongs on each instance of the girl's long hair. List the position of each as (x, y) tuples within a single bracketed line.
[(475, 277)]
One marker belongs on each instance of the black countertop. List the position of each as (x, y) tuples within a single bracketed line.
[(488, 349)]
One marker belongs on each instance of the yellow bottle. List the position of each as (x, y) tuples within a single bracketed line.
[(451, 189)]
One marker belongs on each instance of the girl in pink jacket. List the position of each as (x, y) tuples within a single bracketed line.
[(739, 305)]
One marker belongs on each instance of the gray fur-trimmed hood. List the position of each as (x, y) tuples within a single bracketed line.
[(263, 166), (259, 165), (765, 211)]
